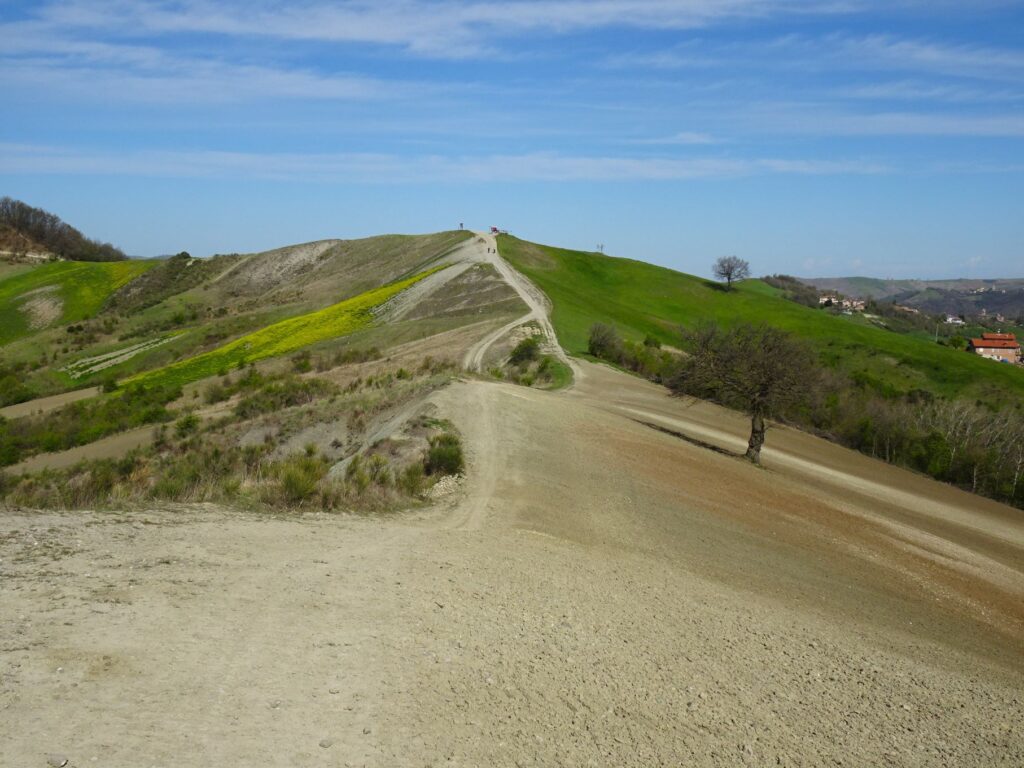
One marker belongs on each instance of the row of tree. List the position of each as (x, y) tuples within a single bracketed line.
[(49, 232), (769, 374)]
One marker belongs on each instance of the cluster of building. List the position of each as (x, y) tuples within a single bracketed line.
[(830, 300), (1003, 347)]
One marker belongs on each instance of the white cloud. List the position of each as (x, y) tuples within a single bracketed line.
[(389, 168)]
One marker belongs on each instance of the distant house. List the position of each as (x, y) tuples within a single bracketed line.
[(996, 346), (829, 300), (954, 320)]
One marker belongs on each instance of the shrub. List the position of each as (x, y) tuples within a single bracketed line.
[(186, 425), (604, 341), (411, 479), (300, 476), (526, 351), (216, 393), (356, 475), (378, 470), (444, 457)]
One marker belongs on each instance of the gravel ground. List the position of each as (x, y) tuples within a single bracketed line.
[(595, 592)]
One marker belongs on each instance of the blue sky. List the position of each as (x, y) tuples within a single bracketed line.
[(814, 138)]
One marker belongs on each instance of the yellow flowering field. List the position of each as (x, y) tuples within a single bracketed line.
[(282, 337)]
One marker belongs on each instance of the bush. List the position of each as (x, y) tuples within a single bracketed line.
[(444, 457), (378, 470), (526, 351), (300, 477), (186, 425), (411, 480), (356, 475), (604, 341)]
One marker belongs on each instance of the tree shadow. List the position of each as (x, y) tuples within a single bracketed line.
[(715, 286), (691, 440)]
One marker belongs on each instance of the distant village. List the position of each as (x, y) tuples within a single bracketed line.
[(996, 346)]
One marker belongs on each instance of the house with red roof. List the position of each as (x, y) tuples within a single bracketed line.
[(1003, 347)]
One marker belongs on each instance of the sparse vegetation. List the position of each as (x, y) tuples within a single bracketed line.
[(284, 336), (204, 461), (84, 422)]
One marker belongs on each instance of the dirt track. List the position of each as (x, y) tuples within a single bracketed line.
[(599, 593), (486, 250)]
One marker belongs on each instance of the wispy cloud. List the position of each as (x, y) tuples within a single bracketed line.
[(196, 81), (960, 60), (918, 91), (389, 168), (827, 120), (439, 28), (683, 138)]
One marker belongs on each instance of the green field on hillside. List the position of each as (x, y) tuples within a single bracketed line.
[(282, 337), (640, 299), (77, 290)]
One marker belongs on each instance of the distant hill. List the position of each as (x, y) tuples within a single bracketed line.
[(966, 297), (28, 233), (641, 300)]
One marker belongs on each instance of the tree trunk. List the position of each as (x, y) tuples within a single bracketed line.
[(756, 438)]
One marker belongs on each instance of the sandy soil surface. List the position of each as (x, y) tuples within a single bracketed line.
[(42, 307), (598, 592)]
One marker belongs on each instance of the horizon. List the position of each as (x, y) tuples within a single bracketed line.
[(833, 140)]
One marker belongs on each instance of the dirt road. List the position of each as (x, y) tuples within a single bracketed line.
[(487, 251), (47, 404), (598, 593)]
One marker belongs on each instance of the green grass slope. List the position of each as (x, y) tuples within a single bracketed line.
[(640, 299), (81, 287)]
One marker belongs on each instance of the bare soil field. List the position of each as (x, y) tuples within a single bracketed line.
[(597, 592)]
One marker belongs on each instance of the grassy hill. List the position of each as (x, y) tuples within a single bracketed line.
[(640, 299), (59, 293)]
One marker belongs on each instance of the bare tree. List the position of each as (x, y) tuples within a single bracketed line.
[(730, 268), (758, 369)]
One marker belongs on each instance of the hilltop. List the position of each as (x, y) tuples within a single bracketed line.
[(32, 234)]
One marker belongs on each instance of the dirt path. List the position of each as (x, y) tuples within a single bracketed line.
[(46, 404), (111, 447), (487, 251)]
